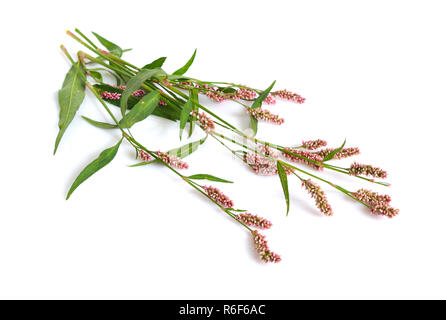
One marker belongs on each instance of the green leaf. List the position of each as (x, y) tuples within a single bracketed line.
[(183, 69), (258, 101), (134, 84), (284, 181), (104, 158), (99, 124), (187, 149), (184, 116), (194, 96), (141, 110), (70, 98), (113, 48), (334, 152), (208, 177), (177, 77), (254, 125), (158, 63), (96, 75)]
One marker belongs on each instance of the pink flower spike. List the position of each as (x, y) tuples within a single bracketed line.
[(318, 194), (139, 93), (290, 96), (270, 99), (314, 144), (206, 123), (254, 220), (110, 95), (344, 153), (162, 103), (172, 160), (245, 94), (144, 156), (379, 204), (218, 196), (265, 115), (262, 248), (357, 169)]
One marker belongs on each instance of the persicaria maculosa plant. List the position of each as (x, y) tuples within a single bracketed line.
[(151, 91)]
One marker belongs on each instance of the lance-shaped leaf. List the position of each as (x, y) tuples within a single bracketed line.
[(113, 48), (208, 177), (134, 84), (334, 152), (98, 124), (70, 98), (187, 149), (254, 125), (183, 69), (180, 152), (258, 101), (184, 116), (195, 108), (257, 104), (141, 110), (104, 158), (158, 63), (284, 181)]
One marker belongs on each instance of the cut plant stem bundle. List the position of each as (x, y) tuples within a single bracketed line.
[(150, 91)]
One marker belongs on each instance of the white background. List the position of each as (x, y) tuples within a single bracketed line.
[(372, 72)]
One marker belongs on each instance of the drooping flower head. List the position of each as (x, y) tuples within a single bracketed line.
[(254, 220), (318, 194), (357, 169), (172, 160), (218, 196), (262, 248)]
